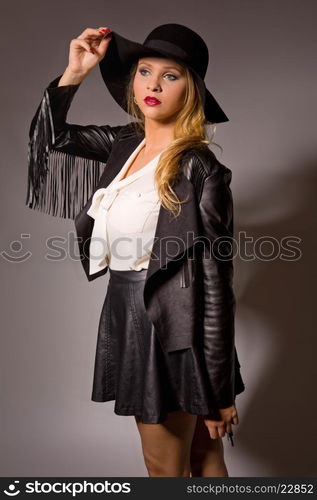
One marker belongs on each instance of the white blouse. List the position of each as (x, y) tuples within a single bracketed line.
[(125, 214)]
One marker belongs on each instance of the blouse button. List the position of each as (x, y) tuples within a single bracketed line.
[(139, 194)]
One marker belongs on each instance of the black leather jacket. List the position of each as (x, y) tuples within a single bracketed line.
[(68, 162)]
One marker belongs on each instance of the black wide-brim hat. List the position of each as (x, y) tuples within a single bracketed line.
[(173, 41)]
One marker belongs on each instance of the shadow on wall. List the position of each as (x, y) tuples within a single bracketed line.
[(278, 426)]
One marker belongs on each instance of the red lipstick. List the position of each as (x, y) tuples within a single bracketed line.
[(151, 101)]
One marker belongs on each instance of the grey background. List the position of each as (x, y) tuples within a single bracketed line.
[(263, 72)]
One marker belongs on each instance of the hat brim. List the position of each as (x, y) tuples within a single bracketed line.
[(115, 70)]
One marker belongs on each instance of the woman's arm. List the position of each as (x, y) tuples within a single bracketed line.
[(65, 161), (88, 141), (216, 208)]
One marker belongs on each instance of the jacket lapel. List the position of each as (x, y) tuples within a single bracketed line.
[(174, 235), (119, 155)]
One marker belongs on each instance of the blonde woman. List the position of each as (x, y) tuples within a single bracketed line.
[(152, 204)]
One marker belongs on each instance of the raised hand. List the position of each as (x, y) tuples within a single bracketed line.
[(88, 49)]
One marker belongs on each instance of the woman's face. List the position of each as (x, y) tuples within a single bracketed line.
[(163, 79)]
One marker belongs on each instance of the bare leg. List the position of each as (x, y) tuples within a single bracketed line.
[(207, 455), (166, 447)]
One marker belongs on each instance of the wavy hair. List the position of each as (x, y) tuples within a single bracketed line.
[(190, 132)]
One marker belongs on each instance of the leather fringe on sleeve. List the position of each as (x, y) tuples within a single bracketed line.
[(59, 183)]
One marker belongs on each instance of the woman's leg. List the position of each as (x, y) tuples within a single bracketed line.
[(166, 447), (207, 455)]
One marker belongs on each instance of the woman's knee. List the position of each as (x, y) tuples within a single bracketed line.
[(167, 468)]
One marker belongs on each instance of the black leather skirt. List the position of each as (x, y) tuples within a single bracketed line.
[(131, 366)]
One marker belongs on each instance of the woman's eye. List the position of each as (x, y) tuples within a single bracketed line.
[(167, 74), (173, 76)]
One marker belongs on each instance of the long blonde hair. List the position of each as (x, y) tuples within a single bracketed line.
[(189, 132)]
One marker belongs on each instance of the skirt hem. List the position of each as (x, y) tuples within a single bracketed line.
[(155, 419)]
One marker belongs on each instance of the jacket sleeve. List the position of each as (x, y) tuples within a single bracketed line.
[(216, 207), (65, 161)]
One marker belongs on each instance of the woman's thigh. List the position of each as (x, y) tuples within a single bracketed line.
[(207, 454), (166, 446)]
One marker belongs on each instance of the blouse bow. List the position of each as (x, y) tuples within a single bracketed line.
[(99, 248)]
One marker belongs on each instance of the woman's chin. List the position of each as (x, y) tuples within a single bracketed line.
[(158, 116)]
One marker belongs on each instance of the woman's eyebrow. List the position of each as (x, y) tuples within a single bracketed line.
[(166, 67)]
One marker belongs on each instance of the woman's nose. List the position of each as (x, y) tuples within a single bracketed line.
[(154, 85)]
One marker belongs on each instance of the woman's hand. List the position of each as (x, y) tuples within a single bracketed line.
[(218, 428), (87, 50)]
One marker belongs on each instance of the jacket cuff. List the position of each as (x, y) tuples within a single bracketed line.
[(54, 83), (60, 99)]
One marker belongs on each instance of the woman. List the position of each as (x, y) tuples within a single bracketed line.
[(152, 204)]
